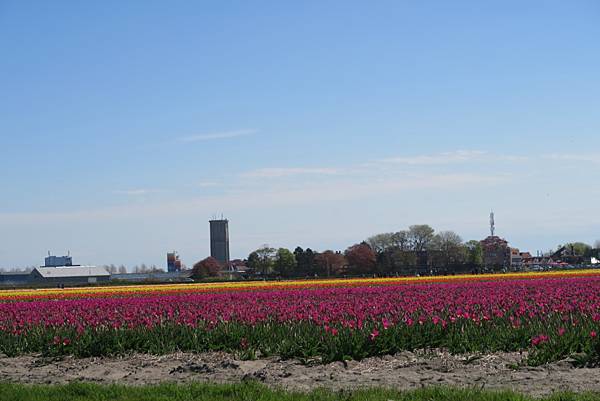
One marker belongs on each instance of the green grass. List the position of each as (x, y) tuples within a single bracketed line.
[(252, 392)]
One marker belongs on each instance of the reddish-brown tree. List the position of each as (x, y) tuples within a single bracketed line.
[(330, 262), (209, 267), (361, 258)]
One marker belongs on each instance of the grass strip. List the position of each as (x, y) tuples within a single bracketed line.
[(252, 391)]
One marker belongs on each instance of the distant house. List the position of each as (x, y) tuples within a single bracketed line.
[(533, 262), (526, 255), (568, 255), (238, 265), (67, 275), (516, 260)]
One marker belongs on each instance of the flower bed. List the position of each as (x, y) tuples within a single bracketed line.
[(551, 317)]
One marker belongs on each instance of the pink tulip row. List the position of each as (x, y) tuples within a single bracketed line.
[(517, 301)]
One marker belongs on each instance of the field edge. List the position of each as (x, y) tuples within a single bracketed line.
[(251, 390)]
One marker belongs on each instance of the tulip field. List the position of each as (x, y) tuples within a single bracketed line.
[(548, 315)]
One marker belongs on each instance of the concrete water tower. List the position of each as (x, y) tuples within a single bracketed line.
[(219, 240)]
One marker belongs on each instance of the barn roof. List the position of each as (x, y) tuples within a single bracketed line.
[(79, 271)]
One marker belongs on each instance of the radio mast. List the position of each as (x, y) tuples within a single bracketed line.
[(492, 224)]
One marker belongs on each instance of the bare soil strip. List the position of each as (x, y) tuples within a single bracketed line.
[(403, 371)]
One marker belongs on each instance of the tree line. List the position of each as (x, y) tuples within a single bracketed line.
[(404, 252), (579, 249), (112, 269), (416, 250)]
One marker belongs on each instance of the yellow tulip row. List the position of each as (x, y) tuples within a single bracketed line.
[(107, 291)]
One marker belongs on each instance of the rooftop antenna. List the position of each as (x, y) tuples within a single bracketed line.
[(492, 224)]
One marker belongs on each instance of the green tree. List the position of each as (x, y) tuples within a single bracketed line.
[(421, 236), (384, 261), (381, 242), (285, 262), (404, 260), (300, 260), (266, 258), (401, 240), (253, 261), (474, 253), (309, 256), (578, 248), (305, 260), (449, 245)]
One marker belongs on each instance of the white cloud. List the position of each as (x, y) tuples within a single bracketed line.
[(135, 192), (459, 156), (277, 172), (586, 158), (337, 183), (218, 135), (294, 194), (208, 184), (367, 188)]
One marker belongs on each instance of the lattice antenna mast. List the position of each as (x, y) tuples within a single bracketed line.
[(492, 224)]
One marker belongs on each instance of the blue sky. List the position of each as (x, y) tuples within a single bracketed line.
[(125, 127)]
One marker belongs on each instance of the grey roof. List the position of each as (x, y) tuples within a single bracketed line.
[(15, 273), (79, 271)]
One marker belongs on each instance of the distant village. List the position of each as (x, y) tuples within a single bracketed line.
[(414, 252)]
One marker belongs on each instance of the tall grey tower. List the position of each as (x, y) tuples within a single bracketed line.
[(219, 241)]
